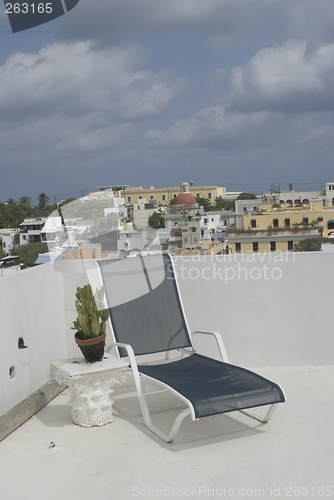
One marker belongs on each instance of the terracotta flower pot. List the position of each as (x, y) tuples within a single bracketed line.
[(92, 349)]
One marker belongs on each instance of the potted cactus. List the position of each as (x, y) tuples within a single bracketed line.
[(90, 324)]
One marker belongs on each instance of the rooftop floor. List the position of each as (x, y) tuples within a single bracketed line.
[(229, 456)]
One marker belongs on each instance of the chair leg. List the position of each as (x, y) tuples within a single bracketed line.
[(175, 428), (147, 418), (264, 419)]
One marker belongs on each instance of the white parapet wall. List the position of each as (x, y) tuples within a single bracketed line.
[(33, 309), (271, 310)]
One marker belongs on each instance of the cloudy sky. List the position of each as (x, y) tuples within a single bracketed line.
[(237, 93)]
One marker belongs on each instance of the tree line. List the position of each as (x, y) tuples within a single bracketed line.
[(13, 213)]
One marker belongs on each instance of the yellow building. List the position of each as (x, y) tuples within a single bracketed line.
[(268, 241), (165, 195), (312, 215)]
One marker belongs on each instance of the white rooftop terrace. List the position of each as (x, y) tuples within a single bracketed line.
[(274, 316)]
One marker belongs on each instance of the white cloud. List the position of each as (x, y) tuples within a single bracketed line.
[(285, 78), (79, 78), (215, 127)]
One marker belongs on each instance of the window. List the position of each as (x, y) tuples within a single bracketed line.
[(275, 222), (305, 219), (151, 197), (245, 209), (186, 240), (320, 219), (193, 229), (290, 246), (273, 246), (205, 221), (209, 196), (140, 197), (129, 199), (329, 187), (163, 197), (198, 195), (287, 222), (174, 195), (253, 223), (238, 247), (212, 219), (255, 246)]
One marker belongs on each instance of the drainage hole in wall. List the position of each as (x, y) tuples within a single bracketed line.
[(21, 344)]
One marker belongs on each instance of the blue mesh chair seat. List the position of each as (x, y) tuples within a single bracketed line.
[(213, 386)]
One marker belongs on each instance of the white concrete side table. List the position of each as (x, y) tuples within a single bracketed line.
[(90, 387)]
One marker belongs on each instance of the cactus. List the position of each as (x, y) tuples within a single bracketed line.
[(92, 317)]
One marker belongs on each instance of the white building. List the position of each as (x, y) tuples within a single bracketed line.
[(8, 238), (31, 230)]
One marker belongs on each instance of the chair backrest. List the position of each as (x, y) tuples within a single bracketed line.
[(145, 308)]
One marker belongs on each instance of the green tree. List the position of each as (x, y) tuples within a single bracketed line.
[(225, 204), (42, 200), (29, 253), (246, 196), (314, 223), (2, 253), (309, 245), (25, 200), (156, 220), (203, 202), (12, 214)]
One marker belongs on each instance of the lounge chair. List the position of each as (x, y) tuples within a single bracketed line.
[(147, 318)]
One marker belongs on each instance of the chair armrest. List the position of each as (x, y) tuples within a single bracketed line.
[(219, 341), (129, 350)]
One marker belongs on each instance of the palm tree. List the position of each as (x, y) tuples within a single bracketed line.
[(25, 200), (42, 200)]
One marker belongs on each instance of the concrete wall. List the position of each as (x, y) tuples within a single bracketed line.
[(270, 310), (31, 307), (37, 305)]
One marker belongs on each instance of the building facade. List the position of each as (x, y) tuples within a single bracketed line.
[(267, 241), (163, 196), (315, 215)]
